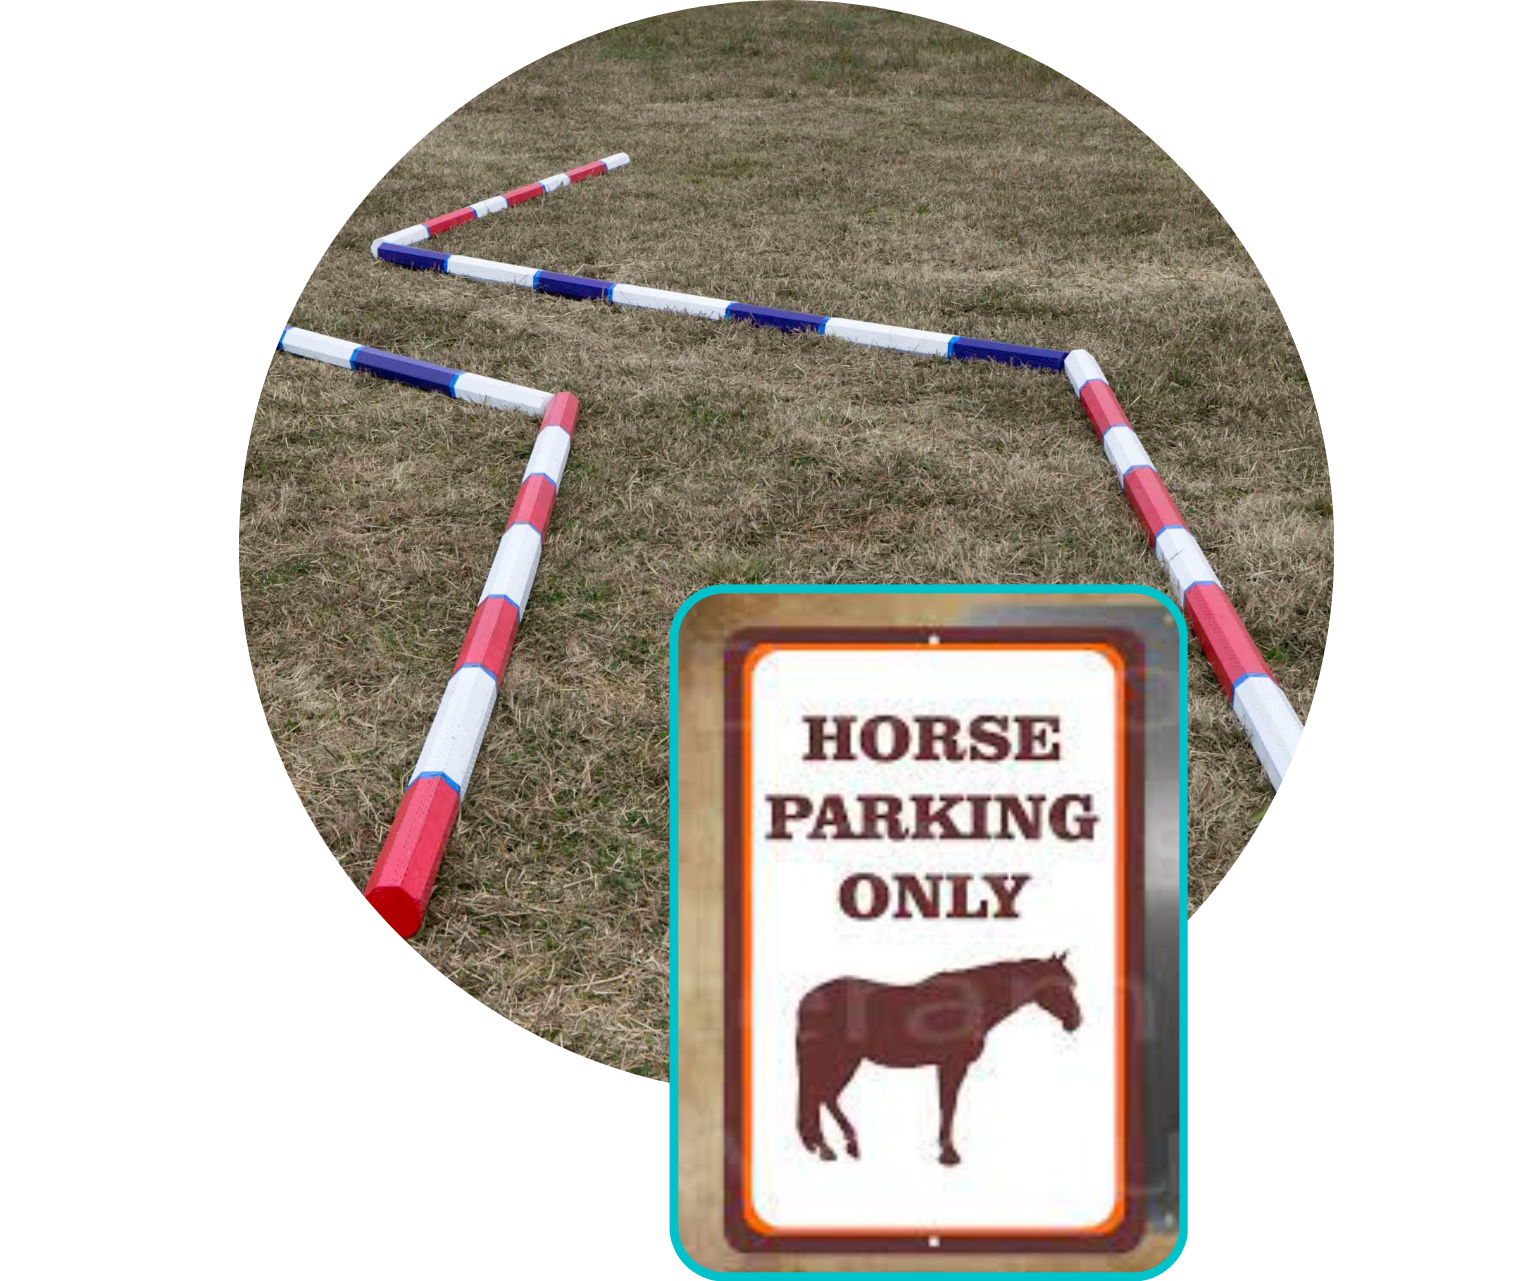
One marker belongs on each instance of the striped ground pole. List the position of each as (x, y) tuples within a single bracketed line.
[(1260, 705), (415, 373), (498, 204), (405, 872), (404, 875), (399, 248)]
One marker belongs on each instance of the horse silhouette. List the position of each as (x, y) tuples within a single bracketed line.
[(941, 1022)]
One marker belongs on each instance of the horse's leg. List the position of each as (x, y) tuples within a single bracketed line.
[(951, 1073), (808, 1107), (812, 1066), (834, 1088)]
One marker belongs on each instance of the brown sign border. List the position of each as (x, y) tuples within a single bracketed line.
[(743, 1235)]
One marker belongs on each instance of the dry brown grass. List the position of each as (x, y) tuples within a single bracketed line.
[(847, 161)]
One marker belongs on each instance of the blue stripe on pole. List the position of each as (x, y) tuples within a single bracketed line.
[(775, 318), (408, 256), (435, 773), (554, 282), (416, 373), (1007, 352)]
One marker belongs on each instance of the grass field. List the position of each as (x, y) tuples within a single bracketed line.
[(838, 160)]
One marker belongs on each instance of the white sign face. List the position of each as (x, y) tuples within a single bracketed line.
[(928, 976)]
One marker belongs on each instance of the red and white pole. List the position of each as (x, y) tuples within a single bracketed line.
[(406, 868)]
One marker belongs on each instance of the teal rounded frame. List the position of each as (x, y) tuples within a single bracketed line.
[(1028, 589)]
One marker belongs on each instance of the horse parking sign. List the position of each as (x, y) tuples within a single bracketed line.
[(930, 840)]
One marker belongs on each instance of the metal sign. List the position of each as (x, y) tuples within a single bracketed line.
[(934, 918)]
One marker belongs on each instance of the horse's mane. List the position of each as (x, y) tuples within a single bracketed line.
[(1028, 963)]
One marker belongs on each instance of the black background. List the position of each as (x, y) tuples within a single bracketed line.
[(398, 1107)]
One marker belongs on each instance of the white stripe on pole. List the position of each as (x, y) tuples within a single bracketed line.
[(554, 182), (550, 454), (493, 205), (1270, 722), (923, 342), (1185, 563), (1123, 448), (1081, 369), (456, 733), (500, 395), (667, 300), (514, 566), (502, 273), (408, 236), (332, 351)]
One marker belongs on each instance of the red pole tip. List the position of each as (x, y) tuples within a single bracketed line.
[(396, 908), (404, 874), (562, 412)]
